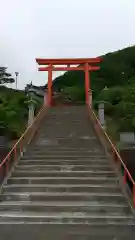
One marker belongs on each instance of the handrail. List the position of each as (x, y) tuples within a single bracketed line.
[(114, 151), (18, 147), (114, 148), (25, 132)]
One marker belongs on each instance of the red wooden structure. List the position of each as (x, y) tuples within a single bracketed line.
[(84, 64)]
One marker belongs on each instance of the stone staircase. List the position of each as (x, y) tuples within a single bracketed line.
[(64, 187)]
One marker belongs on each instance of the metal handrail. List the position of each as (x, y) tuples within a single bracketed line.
[(114, 151), (18, 147)]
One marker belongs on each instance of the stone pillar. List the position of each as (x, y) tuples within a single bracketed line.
[(90, 97), (127, 137), (31, 104), (31, 114), (101, 114)]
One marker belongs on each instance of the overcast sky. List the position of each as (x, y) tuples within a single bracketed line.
[(61, 28)]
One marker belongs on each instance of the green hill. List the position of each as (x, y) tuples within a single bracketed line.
[(116, 70), (117, 73)]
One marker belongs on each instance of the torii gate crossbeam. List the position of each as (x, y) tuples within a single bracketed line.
[(84, 64)]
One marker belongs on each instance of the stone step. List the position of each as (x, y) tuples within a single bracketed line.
[(62, 180), (80, 236), (63, 153), (67, 231), (62, 207), (62, 167), (54, 156), (59, 125), (51, 196), (92, 144), (68, 142), (54, 161), (68, 218), (37, 147), (61, 188), (63, 173)]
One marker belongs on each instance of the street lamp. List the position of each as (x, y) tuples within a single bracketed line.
[(16, 78)]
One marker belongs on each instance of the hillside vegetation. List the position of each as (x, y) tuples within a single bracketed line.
[(13, 112), (117, 76)]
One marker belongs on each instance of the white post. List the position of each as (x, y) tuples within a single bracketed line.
[(101, 114), (90, 97), (31, 114)]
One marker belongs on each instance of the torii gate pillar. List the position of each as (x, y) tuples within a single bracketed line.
[(49, 97), (87, 83)]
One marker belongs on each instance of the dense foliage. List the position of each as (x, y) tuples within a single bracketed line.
[(5, 77), (13, 107), (14, 111)]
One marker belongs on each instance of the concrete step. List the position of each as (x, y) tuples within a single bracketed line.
[(63, 167), (59, 149), (69, 129), (67, 137), (68, 218), (54, 156), (62, 207), (67, 231), (63, 173), (61, 188), (37, 147), (63, 162), (63, 180), (63, 153), (51, 196), (68, 142), (34, 149)]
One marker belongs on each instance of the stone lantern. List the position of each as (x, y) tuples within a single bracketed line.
[(31, 104), (101, 112)]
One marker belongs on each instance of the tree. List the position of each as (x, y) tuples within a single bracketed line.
[(5, 77)]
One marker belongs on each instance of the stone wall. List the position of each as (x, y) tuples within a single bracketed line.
[(128, 156)]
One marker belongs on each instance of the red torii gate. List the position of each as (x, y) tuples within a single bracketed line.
[(84, 64)]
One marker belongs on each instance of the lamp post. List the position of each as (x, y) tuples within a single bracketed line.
[(16, 78)]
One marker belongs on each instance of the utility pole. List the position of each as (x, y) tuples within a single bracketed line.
[(16, 78)]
